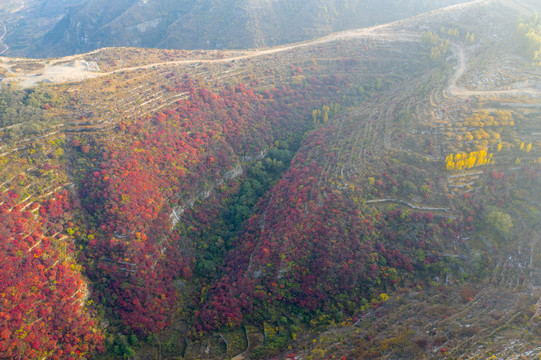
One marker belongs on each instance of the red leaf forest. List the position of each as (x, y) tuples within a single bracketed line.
[(348, 198)]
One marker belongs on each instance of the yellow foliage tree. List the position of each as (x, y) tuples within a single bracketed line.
[(468, 161)]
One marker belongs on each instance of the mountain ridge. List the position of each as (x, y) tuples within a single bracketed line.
[(208, 24)]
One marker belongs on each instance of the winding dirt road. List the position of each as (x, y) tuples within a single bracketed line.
[(455, 90), (76, 70)]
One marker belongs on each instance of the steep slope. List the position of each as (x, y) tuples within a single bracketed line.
[(367, 192), (212, 24), (43, 293), (136, 206), (26, 21)]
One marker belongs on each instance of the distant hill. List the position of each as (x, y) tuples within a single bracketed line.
[(205, 24), (28, 20)]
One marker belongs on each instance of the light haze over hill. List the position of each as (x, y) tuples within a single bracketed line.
[(42, 28)]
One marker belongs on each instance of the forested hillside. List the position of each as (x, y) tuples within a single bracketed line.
[(370, 194)]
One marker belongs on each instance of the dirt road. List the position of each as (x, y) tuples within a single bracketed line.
[(71, 68), (74, 68), (455, 90)]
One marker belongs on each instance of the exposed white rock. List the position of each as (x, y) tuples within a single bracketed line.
[(150, 24)]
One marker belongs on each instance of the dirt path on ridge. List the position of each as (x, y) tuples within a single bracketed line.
[(74, 68)]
